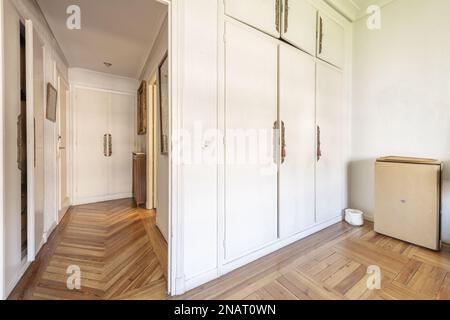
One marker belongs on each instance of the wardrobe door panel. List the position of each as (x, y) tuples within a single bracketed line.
[(91, 169), (331, 41), (297, 111), (121, 124), (299, 24), (263, 15), (330, 166), (251, 219)]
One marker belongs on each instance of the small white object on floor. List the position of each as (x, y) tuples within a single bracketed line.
[(354, 217)]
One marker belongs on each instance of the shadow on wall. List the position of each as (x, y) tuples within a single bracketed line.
[(361, 177)]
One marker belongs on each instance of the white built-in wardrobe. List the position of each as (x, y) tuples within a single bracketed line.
[(103, 144), (284, 82)]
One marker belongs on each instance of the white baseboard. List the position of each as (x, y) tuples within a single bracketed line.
[(88, 200), (200, 279), (16, 278)]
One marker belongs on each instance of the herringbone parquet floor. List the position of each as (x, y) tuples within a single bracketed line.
[(120, 254), (333, 264), (117, 248)]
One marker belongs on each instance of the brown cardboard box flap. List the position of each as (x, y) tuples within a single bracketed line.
[(410, 160)]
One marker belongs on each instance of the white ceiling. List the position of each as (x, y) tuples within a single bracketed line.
[(355, 9), (121, 32)]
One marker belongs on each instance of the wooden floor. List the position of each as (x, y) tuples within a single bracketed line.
[(332, 264), (119, 250)]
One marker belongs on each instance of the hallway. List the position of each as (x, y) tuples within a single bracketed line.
[(119, 250)]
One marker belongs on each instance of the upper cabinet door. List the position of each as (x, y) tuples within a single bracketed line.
[(260, 14), (330, 41), (299, 22)]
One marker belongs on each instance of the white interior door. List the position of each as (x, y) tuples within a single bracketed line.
[(331, 41), (121, 127), (62, 152), (299, 24), (297, 111), (330, 165), (260, 14), (251, 218), (91, 169)]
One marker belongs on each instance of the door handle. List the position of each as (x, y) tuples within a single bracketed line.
[(105, 145), (277, 14), (283, 142), (319, 149), (320, 34), (286, 15), (109, 145)]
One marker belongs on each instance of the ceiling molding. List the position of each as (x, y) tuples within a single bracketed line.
[(355, 10)]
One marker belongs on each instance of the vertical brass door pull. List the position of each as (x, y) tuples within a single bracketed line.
[(320, 35), (319, 147), (286, 16), (110, 145), (105, 153), (277, 14), (283, 142)]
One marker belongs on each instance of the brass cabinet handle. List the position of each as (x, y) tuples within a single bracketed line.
[(286, 15), (320, 34), (105, 153), (283, 142), (282, 133), (319, 149), (277, 15), (109, 145)]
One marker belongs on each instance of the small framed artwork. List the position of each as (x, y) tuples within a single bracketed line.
[(142, 109), (163, 93), (52, 100)]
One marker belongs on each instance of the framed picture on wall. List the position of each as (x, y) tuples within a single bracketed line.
[(163, 93), (142, 109), (52, 100)]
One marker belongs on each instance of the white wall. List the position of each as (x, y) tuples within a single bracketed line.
[(16, 10), (401, 104), (155, 58)]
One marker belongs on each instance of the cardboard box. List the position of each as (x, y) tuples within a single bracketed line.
[(408, 200)]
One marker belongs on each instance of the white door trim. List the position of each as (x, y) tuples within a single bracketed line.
[(2, 152), (30, 140), (176, 280)]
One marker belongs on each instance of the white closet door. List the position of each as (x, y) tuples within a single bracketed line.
[(251, 170), (297, 111), (121, 123), (260, 14), (299, 24), (330, 166), (331, 41), (91, 170)]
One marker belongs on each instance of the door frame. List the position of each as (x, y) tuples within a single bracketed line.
[(151, 142), (59, 77), (175, 281), (2, 151)]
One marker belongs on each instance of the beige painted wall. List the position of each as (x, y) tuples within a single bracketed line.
[(401, 83)]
